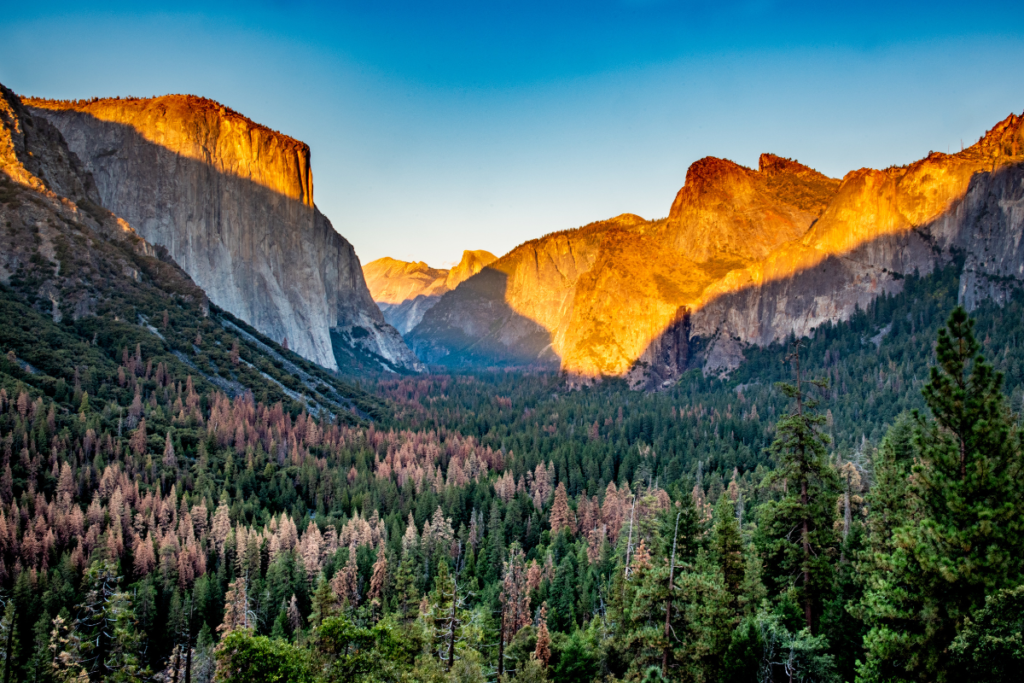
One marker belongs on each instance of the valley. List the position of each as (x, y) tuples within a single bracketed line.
[(231, 452)]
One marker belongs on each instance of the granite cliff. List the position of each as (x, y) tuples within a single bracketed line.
[(232, 202), (80, 290), (744, 257), (405, 291)]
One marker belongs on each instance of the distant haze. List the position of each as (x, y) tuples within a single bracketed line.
[(482, 125)]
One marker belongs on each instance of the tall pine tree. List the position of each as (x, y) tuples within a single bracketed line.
[(797, 531), (963, 536)]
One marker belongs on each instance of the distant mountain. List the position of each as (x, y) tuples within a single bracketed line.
[(232, 202), (405, 291), (744, 257)]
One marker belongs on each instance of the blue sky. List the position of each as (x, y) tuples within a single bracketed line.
[(437, 127)]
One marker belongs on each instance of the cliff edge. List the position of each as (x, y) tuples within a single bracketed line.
[(232, 201)]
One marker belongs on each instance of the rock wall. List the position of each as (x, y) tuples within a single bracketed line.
[(744, 257), (405, 291), (232, 201)]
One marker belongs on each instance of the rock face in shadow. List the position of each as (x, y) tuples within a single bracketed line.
[(474, 326), (745, 257), (405, 291), (232, 201), (66, 255), (879, 227)]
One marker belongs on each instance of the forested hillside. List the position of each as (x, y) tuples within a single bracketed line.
[(182, 499), (185, 499)]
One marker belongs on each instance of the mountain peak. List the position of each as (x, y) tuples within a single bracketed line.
[(1004, 138), (727, 212), (472, 263)]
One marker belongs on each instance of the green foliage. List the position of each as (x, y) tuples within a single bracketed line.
[(788, 656), (243, 439), (245, 658), (961, 537), (990, 646), (343, 652), (796, 529)]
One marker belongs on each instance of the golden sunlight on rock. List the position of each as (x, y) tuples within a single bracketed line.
[(206, 131), (744, 257)]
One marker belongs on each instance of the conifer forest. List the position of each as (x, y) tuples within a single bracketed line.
[(185, 500)]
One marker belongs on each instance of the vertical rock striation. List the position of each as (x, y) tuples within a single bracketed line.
[(232, 201)]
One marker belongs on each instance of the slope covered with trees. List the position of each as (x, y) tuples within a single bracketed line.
[(182, 498), (166, 512)]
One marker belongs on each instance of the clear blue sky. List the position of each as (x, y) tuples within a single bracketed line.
[(438, 127)]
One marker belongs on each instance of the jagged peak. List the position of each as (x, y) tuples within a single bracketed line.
[(711, 169), (472, 263), (1006, 137), (772, 165)]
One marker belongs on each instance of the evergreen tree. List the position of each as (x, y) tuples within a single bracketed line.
[(562, 614), (8, 641), (406, 597), (727, 547), (963, 538), (324, 602), (796, 531), (495, 545), (104, 639)]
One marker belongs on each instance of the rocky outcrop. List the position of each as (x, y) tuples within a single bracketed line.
[(879, 227), (65, 252), (232, 201), (744, 257), (405, 291)]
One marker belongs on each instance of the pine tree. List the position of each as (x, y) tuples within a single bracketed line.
[(406, 596), (560, 514), (495, 545), (170, 460), (727, 547), (563, 595), (324, 601), (963, 535), (104, 639), (543, 650), (378, 578), (138, 440), (448, 614), (797, 531), (8, 641), (515, 601), (237, 613)]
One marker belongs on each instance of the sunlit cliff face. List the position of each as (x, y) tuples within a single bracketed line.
[(607, 293), (232, 201), (393, 282), (208, 132)]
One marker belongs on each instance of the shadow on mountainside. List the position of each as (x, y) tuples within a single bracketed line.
[(473, 326), (256, 245), (622, 302), (984, 226)]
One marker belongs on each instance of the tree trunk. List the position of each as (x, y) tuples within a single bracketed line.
[(501, 645), (668, 600), (8, 647), (188, 651), (808, 613), (451, 627)]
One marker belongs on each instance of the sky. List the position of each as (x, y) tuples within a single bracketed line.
[(442, 126)]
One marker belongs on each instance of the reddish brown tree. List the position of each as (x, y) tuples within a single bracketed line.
[(561, 515)]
